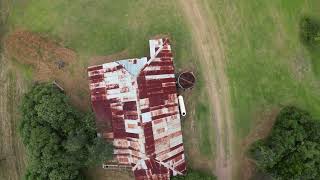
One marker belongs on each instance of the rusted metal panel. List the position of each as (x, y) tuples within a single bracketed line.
[(137, 100), (151, 169)]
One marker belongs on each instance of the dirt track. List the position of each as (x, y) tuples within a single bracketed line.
[(12, 154), (212, 60)]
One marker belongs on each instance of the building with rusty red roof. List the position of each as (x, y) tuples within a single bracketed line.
[(136, 105)]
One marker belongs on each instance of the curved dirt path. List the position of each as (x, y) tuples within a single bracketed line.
[(212, 60)]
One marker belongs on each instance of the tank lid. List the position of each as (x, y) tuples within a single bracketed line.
[(186, 80)]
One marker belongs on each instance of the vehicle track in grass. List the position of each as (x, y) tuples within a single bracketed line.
[(212, 60)]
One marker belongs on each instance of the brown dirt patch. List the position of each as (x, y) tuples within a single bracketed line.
[(32, 48), (43, 54)]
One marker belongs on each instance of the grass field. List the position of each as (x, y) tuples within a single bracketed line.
[(267, 64), (103, 27), (97, 28)]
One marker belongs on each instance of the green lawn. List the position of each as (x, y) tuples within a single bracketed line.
[(267, 65), (202, 112), (106, 27), (25, 70)]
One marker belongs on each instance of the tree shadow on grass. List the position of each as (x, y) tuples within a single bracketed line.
[(310, 37)]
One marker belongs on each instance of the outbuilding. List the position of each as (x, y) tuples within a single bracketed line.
[(136, 106)]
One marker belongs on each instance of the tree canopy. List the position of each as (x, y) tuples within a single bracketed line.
[(292, 151), (60, 140), (195, 175)]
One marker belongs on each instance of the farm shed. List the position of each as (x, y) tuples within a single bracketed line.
[(136, 106)]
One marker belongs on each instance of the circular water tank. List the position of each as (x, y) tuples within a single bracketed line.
[(186, 80)]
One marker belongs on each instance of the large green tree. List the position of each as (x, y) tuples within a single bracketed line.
[(60, 140), (292, 151)]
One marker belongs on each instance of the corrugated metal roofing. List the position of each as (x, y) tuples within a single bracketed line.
[(138, 99)]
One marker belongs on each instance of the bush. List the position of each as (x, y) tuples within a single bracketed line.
[(310, 31), (59, 139), (194, 175), (292, 151)]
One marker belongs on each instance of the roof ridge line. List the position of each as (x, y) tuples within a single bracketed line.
[(151, 59)]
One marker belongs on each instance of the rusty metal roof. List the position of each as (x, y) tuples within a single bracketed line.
[(136, 104)]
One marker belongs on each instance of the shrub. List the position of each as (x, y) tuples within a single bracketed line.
[(59, 139), (292, 151), (310, 31)]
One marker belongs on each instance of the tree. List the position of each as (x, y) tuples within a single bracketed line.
[(292, 151), (60, 140), (98, 152), (195, 175)]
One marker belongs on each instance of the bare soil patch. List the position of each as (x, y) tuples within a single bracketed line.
[(44, 54), (32, 48)]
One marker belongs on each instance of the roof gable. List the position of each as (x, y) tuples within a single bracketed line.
[(133, 66)]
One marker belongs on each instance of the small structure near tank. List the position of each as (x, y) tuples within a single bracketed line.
[(186, 80), (182, 107)]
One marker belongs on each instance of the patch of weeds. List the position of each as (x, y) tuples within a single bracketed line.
[(82, 94), (26, 70), (310, 37), (11, 92), (203, 113), (310, 31)]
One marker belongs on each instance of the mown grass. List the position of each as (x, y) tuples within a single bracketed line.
[(267, 64), (315, 54), (203, 117), (106, 27)]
